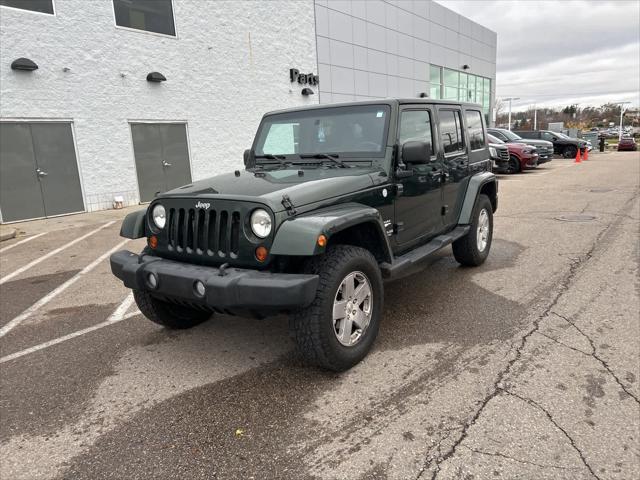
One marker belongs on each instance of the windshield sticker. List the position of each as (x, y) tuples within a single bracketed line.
[(379, 114)]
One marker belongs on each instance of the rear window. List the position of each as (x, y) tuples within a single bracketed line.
[(475, 133)]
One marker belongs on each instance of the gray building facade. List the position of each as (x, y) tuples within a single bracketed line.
[(374, 49)]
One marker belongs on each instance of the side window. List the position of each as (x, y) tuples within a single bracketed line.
[(451, 131), (415, 125), (475, 134), (548, 136)]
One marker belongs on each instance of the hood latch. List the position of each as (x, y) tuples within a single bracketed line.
[(288, 205)]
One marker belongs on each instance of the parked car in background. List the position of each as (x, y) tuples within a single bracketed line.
[(627, 143), (543, 147), (562, 144), (499, 153), (521, 156)]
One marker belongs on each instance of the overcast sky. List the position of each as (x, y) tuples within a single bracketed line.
[(560, 52)]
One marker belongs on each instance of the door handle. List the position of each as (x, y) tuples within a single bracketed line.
[(41, 173), (165, 164)]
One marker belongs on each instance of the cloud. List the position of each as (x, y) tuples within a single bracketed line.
[(554, 53)]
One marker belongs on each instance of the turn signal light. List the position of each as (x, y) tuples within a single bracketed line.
[(322, 241), (261, 254), (153, 241)]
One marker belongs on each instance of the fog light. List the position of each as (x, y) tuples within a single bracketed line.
[(199, 288), (261, 253), (152, 280)]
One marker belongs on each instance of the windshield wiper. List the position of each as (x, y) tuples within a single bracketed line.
[(325, 156), (280, 158)]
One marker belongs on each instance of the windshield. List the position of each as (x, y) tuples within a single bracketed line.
[(493, 139), (561, 135), (355, 131), (510, 135)]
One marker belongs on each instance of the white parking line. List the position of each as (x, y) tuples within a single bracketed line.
[(53, 252), (117, 316), (28, 239), (54, 293)]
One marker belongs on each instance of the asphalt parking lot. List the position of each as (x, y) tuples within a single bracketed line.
[(526, 367)]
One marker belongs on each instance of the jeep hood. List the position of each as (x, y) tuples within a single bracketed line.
[(269, 186)]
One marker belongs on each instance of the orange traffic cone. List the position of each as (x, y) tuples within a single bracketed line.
[(577, 156), (586, 154)]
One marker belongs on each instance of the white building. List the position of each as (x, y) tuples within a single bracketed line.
[(91, 125)]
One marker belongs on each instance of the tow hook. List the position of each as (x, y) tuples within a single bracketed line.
[(223, 267)]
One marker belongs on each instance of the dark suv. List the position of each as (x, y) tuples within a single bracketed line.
[(544, 149), (562, 144), (333, 200)]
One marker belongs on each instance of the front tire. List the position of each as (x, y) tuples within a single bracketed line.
[(570, 152), (169, 315), (338, 329), (473, 249), (514, 165)]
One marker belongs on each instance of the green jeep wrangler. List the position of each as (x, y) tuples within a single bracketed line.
[(334, 200)]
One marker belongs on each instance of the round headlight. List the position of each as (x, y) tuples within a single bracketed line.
[(158, 215), (261, 223)]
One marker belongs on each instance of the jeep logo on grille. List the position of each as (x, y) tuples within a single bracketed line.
[(203, 205)]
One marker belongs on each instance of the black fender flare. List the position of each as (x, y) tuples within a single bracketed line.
[(133, 225), (298, 236)]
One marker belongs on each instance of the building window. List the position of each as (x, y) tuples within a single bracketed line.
[(475, 134), (41, 6), (149, 15), (451, 84), (435, 77)]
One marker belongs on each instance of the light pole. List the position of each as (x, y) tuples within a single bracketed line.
[(622, 104), (535, 116), (511, 98)]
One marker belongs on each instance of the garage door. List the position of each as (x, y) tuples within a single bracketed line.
[(162, 157), (38, 171)]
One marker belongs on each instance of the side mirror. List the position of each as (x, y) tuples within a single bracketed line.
[(416, 152), (249, 159)]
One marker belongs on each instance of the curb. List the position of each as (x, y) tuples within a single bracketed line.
[(7, 234)]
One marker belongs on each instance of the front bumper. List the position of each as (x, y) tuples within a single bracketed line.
[(231, 289), (531, 160)]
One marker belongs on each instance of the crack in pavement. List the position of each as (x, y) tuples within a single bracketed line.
[(594, 354), (557, 425), (526, 462), (498, 385)]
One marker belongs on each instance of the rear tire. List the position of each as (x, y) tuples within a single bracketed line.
[(168, 314), (473, 249), (319, 329)]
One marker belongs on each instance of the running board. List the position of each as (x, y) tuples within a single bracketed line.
[(403, 263)]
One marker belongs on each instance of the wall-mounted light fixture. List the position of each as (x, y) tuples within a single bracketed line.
[(307, 91), (423, 95), (24, 64), (465, 67), (156, 77)]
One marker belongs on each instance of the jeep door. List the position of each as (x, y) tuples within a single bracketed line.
[(454, 157), (418, 201)]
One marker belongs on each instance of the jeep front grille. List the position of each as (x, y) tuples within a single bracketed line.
[(214, 233)]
